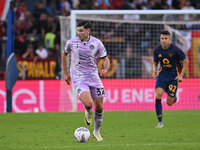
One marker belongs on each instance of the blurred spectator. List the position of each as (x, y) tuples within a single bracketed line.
[(104, 4), (29, 52), (21, 11), (57, 44), (39, 9), (128, 4), (21, 41), (182, 3), (132, 64), (75, 4), (65, 7), (168, 17), (188, 7), (51, 24), (155, 4), (85, 4), (175, 4), (3, 40), (51, 7), (32, 33), (108, 30), (41, 52), (198, 5), (116, 4), (57, 54), (49, 41), (42, 25)]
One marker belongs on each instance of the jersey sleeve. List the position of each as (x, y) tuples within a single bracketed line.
[(155, 56), (180, 54), (67, 47), (102, 50)]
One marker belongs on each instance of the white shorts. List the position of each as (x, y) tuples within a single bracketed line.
[(91, 84)]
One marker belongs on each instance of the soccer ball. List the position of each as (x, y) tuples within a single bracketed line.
[(82, 134)]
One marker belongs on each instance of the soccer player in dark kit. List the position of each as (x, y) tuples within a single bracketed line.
[(169, 57)]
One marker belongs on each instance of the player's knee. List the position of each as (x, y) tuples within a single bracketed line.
[(88, 104), (170, 103), (99, 108), (158, 96)]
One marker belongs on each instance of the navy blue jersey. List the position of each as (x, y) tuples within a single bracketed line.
[(169, 60)]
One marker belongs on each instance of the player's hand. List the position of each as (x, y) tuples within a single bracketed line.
[(67, 78), (104, 72), (154, 75), (179, 78)]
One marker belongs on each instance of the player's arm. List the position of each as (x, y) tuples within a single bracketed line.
[(185, 65), (64, 63), (155, 65), (106, 66)]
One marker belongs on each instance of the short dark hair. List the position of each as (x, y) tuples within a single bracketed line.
[(85, 24), (165, 32)]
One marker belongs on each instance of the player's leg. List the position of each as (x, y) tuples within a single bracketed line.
[(98, 93), (85, 97), (171, 92), (83, 91), (98, 117), (158, 106), (171, 100)]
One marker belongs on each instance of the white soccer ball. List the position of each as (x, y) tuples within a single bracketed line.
[(82, 134)]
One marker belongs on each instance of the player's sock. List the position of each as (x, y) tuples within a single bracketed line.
[(98, 118), (158, 106), (88, 116)]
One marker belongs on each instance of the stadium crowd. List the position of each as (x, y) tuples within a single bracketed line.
[(37, 28)]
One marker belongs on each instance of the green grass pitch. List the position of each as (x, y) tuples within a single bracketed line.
[(134, 130)]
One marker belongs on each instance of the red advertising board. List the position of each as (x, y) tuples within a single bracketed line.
[(38, 96), (122, 94)]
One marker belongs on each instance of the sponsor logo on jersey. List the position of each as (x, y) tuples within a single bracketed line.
[(160, 55)]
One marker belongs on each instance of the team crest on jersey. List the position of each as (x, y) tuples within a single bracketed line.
[(91, 47), (170, 54), (79, 90), (160, 55)]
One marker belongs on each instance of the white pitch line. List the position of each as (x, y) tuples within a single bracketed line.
[(99, 145)]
